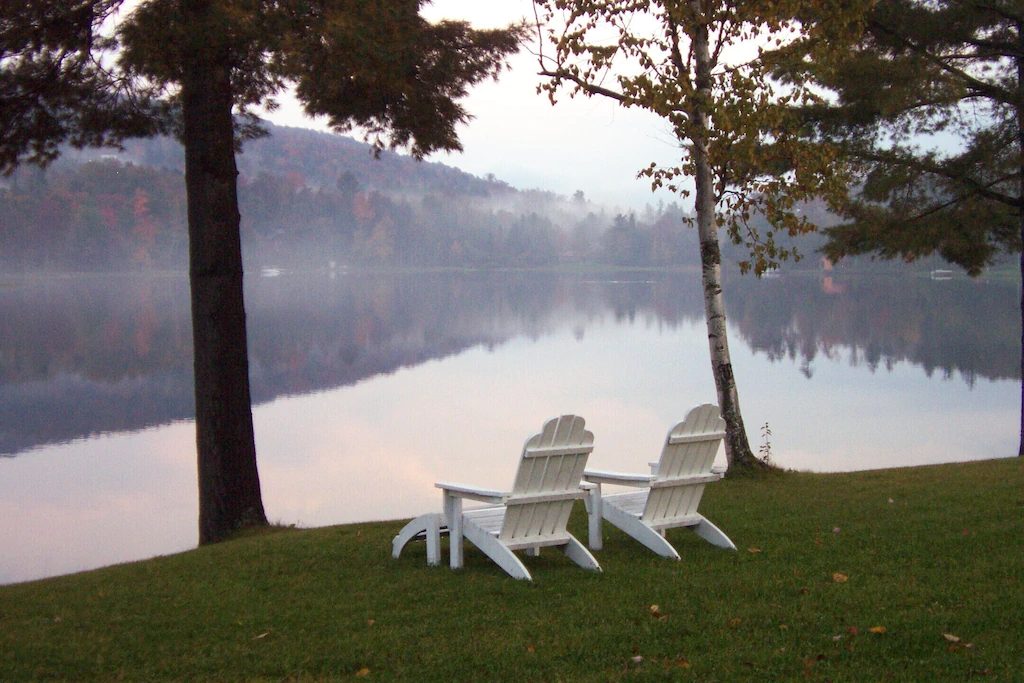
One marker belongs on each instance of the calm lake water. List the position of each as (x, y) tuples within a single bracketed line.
[(370, 387)]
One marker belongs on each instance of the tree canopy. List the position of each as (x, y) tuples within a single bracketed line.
[(928, 103), (89, 72)]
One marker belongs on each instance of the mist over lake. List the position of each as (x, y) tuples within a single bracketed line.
[(369, 386)]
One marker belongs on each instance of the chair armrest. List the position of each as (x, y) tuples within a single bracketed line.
[(620, 478), (687, 480), (473, 492)]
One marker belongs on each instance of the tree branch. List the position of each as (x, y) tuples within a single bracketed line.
[(987, 89), (586, 86), (976, 187)]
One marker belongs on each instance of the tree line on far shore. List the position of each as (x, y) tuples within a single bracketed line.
[(110, 214)]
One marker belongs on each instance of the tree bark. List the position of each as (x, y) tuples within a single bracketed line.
[(737, 448), (1020, 221), (229, 485)]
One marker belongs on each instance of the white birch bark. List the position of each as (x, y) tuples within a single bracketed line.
[(737, 448)]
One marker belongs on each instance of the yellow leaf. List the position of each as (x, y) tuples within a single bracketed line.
[(839, 577), (951, 638), (656, 614), (753, 551), (877, 629), (362, 672)]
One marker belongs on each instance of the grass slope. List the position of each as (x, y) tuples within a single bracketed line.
[(842, 577)]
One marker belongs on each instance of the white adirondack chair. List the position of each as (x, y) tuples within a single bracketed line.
[(669, 497), (530, 516)]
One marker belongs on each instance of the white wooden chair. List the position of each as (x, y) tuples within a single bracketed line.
[(670, 496), (530, 516)]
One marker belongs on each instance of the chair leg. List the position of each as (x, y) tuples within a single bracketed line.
[(428, 524), (712, 534), (632, 525), (497, 551), (594, 504), (434, 540), (576, 552), (453, 515)]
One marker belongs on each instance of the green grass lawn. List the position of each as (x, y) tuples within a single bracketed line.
[(906, 575)]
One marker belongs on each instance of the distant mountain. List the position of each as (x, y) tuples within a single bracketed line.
[(308, 199), (314, 200), (319, 160)]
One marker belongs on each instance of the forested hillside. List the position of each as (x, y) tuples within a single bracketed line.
[(315, 200)]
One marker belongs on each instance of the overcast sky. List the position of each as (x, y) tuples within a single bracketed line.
[(581, 144)]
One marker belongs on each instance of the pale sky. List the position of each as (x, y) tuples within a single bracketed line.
[(581, 144)]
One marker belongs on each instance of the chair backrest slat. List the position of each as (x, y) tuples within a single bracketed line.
[(690, 449), (553, 462)]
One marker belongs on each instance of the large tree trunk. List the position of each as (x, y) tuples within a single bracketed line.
[(737, 448), (229, 485), (1020, 222)]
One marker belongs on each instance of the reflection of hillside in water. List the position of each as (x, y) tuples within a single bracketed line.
[(83, 356), (958, 326)]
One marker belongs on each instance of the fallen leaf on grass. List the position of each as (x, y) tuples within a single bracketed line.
[(531, 648), (656, 614), (753, 551), (371, 622), (853, 631), (733, 623), (839, 577), (637, 660), (262, 635), (836, 530), (951, 638), (362, 672), (818, 541), (878, 630)]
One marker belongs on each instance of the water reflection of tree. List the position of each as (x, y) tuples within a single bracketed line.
[(81, 356), (958, 326)]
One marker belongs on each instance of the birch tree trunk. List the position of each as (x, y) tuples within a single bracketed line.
[(737, 448)]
